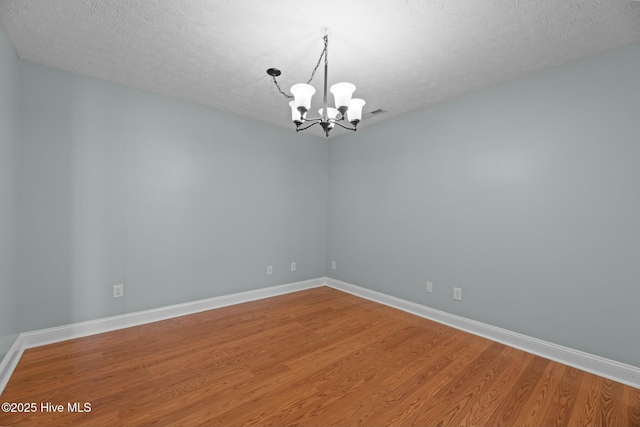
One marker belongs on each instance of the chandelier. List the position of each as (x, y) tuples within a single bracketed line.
[(346, 107)]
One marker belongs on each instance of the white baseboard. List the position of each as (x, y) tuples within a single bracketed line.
[(78, 330), (620, 372), (616, 371), (10, 361)]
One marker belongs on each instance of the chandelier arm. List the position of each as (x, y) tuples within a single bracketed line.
[(343, 126), (307, 127)]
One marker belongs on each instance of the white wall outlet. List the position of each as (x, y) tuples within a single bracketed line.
[(118, 291), (457, 294), (429, 287), (293, 266), (333, 265), (269, 269)]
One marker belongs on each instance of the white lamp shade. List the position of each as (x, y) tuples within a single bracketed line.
[(355, 109), (302, 93), (342, 93), (332, 113), (295, 114)]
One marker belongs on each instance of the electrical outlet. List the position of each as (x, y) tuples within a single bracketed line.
[(429, 287), (269, 269), (293, 266), (333, 265), (118, 291), (457, 294)]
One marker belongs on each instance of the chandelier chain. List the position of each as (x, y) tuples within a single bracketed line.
[(286, 95), (313, 73), (326, 61)]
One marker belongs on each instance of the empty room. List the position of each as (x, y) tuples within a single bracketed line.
[(393, 212)]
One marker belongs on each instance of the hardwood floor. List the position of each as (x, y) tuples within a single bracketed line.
[(317, 357)]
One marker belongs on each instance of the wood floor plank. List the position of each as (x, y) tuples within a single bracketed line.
[(561, 406), (398, 385), (540, 400), (319, 357), (476, 390), (632, 402), (480, 413), (428, 383), (449, 402)]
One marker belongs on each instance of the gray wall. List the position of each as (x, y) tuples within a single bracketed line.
[(176, 201), (9, 155), (526, 195)]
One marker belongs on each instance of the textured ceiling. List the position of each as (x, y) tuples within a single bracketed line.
[(402, 55)]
